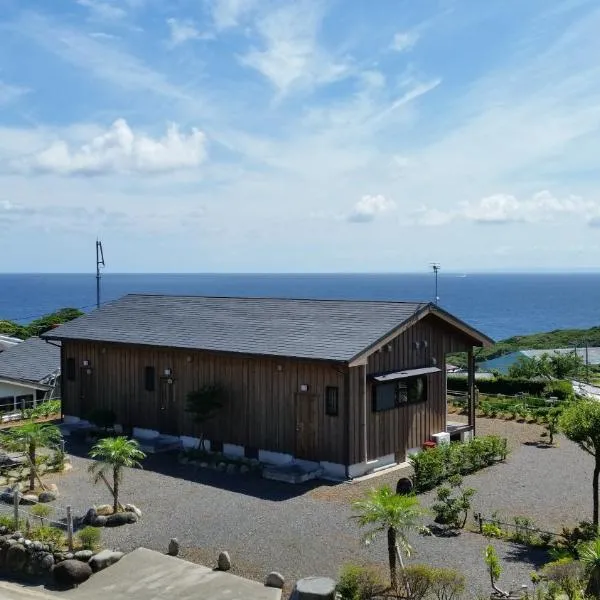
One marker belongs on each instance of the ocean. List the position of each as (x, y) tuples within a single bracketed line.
[(501, 305)]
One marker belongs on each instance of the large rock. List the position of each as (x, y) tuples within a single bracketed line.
[(16, 557), (275, 580), (99, 521), (46, 562), (29, 499), (314, 588), (83, 555), (47, 496), (104, 510), (224, 561), (134, 509), (89, 516), (71, 572), (173, 547), (123, 518), (104, 559)]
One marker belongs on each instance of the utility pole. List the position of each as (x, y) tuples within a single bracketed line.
[(99, 263), (436, 267)]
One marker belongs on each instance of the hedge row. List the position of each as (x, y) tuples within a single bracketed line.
[(434, 465), (510, 386)]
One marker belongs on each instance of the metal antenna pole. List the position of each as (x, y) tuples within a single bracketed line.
[(436, 267), (99, 263)]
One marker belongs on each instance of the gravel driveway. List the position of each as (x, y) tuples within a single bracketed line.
[(307, 530)]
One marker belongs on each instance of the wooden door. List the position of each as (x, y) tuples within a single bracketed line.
[(306, 427), (168, 421)]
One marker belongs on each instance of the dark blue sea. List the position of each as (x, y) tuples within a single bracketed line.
[(500, 305)]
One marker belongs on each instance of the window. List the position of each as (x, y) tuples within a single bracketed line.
[(40, 394), (331, 401), (409, 390), (71, 368), (150, 379), (24, 402), (7, 404)]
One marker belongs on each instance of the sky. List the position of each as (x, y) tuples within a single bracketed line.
[(299, 136)]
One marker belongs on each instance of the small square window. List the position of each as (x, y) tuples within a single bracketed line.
[(331, 401)]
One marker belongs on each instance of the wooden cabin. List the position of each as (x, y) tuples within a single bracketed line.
[(352, 385)]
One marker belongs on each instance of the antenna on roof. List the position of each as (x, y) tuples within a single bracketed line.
[(436, 267), (99, 263)]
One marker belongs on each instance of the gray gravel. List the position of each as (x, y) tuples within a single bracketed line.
[(272, 526)]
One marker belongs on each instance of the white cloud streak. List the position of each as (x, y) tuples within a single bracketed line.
[(103, 10), (120, 150), (370, 207), (404, 41), (10, 93), (228, 13), (185, 30)]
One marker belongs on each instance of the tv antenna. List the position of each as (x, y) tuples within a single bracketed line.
[(436, 267), (99, 263)]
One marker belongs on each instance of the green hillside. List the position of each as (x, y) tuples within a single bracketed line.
[(559, 338)]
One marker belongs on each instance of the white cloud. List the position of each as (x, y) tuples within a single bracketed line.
[(227, 13), (291, 55), (404, 40), (184, 30), (369, 207), (120, 150), (103, 10), (10, 93)]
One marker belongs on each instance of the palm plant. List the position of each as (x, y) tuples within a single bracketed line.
[(112, 455), (28, 438), (384, 511), (589, 555)]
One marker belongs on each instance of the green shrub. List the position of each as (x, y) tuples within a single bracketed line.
[(89, 537), (434, 465), (525, 530), (418, 579), (447, 584), (453, 510), (571, 538), (49, 535), (563, 390), (507, 386), (9, 522), (492, 530), (41, 511), (567, 575), (358, 582), (57, 460)]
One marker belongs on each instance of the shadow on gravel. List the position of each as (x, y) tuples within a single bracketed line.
[(249, 484), (536, 557)]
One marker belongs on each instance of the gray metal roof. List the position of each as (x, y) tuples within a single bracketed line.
[(31, 360), (316, 329)]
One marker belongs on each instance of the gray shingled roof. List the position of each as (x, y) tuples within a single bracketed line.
[(31, 360), (316, 329)]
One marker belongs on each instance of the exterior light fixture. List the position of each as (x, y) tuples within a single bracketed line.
[(86, 363), (167, 372), (304, 387)]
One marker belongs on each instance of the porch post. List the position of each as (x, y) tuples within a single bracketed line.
[(471, 388)]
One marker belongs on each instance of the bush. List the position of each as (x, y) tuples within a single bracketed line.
[(433, 466), (563, 390), (9, 522), (448, 584), (525, 530), (89, 537), (418, 579), (571, 538), (567, 575), (453, 510), (49, 535), (507, 386), (357, 582), (42, 511), (492, 530)]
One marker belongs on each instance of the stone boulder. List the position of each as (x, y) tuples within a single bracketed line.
[(83, 555), (71, 572), (29, 499), (104, 510), (99, 521), (47, 496), (314, 588), (104, 559), (173, 547), (119, 519), (16, 557), (90, 516), (224, 561), (47, 561), (275, 580), (134, 509)]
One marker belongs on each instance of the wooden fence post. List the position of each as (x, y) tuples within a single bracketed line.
[(16, 499), (70, 528)]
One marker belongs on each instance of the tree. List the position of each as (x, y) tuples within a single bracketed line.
[(580, 422), (384, 511), (530, 368), (112, 455), (494, 569), (589, 555), (557, 365), (204, 404), (47, 322), (28, 438)]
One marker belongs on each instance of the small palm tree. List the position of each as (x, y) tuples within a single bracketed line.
[(113, 454), (397, 515), (589, 555), (28, 438)]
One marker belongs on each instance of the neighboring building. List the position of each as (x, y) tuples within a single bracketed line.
[(503, 363), (8, 342), (348, 384), (29, 371)]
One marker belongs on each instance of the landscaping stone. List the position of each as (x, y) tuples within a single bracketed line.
[(224, 561), (71, 572), (99, 522), (275, 580), (204, 464), (173, 547), (47, 562), (69, 556), (21, 541), (84, 555), (231, 468), (90, 516), (29, 499), (221, 466), (244, 469), (119, 519), (104, 559), (104, 510), (314, 588), (47, 496), (37, 546), (16, 557), (134, 509)]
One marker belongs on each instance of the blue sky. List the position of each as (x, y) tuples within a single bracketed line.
[(329, 135)]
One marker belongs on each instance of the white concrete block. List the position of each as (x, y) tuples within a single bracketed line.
[(189, 442), (145, 434), (274, 458), (233, 450)]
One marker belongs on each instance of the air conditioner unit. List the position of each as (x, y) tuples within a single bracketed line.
[(441, 438)]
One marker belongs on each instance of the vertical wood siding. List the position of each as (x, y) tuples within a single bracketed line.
[(259, 411), (397, 430)]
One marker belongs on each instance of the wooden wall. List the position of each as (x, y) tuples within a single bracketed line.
[(259, 412), (397, 430)]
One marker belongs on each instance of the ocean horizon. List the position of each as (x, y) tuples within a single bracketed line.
[(499, 304)]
